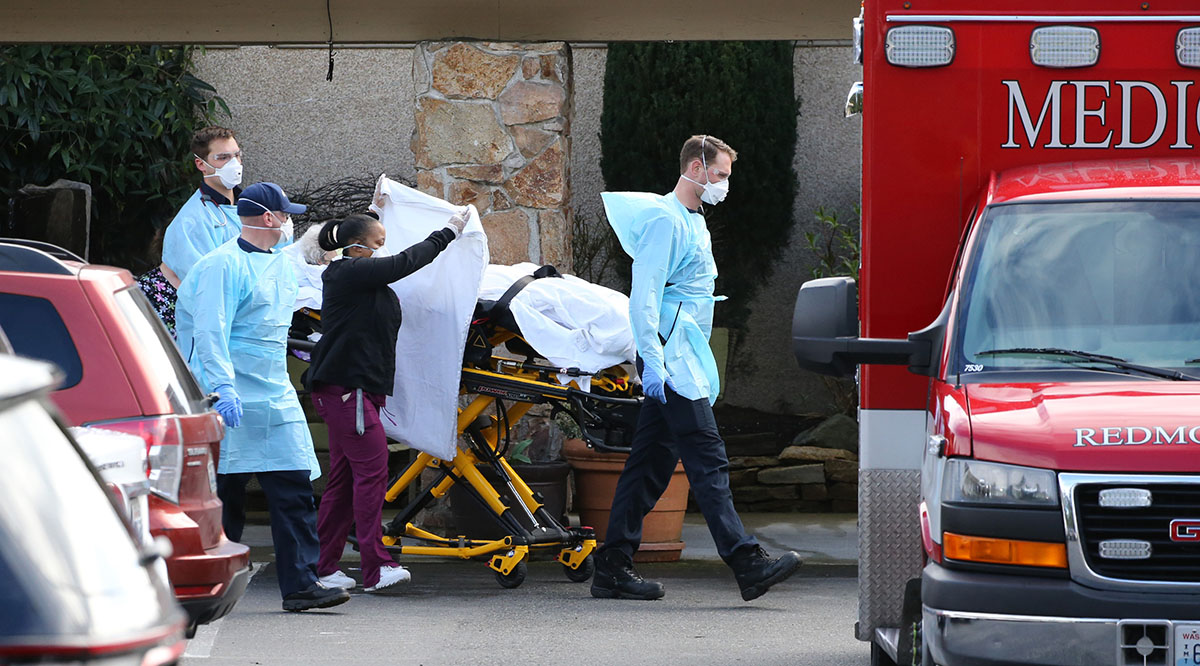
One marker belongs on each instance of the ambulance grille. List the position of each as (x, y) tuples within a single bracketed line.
[(1169, 561)]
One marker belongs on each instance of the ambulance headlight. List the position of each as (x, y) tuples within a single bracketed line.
[(919, 46), (1064, 46), (1187, 47), (978, 482)]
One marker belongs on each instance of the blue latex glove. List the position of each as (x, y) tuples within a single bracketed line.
[(229, 405), (653, 385)]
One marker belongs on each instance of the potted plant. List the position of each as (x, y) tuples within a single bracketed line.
[(596, 475)]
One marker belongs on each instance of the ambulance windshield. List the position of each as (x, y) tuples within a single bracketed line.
[(1114, 278)]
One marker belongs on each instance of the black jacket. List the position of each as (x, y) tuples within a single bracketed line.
[(360, 316)]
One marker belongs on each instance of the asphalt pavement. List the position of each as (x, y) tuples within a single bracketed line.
[(455, 612), (822, 539)]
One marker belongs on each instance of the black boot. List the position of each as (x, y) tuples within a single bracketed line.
[(615, 578), (756, 572), (317, 596)]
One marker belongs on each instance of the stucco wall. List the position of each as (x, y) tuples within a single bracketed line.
[(587, 182), (298, 128)]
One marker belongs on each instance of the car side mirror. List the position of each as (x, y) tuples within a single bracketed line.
[(825, 333)]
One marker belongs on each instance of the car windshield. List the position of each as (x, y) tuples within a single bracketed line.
[(65, 556), (1101, 284), (171, 372)]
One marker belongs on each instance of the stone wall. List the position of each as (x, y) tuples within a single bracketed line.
[(817, 473), (493, 130)]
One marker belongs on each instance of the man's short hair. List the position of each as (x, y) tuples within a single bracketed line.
[(711, 145), (205, 136)]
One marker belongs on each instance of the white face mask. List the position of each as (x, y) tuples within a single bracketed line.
[(285, 227), (376, 253), (714, 193), (230, 174)]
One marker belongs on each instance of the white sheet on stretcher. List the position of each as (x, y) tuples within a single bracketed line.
[(571, 322), (438, 302)]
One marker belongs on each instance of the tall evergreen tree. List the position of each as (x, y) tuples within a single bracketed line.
[(658, 94)]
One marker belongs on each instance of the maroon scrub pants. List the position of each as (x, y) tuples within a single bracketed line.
[(357, 481)]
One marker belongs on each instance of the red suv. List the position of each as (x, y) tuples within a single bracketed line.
[(123, 371)]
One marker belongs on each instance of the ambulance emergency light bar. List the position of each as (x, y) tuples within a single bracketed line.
[(1064, 46), (1187, 47), (1057, 46), (919, 46)]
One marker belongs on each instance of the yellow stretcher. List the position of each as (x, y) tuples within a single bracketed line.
[(504, 389)]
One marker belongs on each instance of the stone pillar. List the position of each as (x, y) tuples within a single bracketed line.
[(493, 130)]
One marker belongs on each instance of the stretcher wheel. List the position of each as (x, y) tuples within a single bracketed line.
[(583, 573), (514, 578)]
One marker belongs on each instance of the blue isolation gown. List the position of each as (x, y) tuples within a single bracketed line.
[(671, 297), (232, 320), (200, 226)]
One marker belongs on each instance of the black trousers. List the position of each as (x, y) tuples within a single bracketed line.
[(293, 521), (684, 430)]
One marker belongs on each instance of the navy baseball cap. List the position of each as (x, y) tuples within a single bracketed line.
[(261, 197)]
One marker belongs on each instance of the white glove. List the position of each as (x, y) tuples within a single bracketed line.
[(458, 221), (379, 198)]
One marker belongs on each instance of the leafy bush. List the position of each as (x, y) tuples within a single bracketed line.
[(835, 244), (656, 95), (119, 118)]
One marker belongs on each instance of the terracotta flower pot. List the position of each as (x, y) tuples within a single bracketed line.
[(595, 482)]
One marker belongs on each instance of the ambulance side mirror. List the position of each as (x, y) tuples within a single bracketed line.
[(825, 333)]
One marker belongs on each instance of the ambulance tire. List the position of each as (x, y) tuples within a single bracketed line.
[(879, 656)]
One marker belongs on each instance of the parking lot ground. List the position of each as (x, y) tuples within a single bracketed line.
[(454, 612)]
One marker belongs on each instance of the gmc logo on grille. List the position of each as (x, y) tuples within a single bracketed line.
[(1185, 530)]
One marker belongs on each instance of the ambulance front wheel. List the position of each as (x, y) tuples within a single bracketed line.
[(584, 573), (513, 578)]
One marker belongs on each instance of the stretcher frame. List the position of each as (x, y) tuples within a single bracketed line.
[(531, 532)]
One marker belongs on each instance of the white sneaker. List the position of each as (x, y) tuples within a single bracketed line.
[(337, 579), (389, 576)]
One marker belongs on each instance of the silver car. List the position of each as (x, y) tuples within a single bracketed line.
[(77, 587)]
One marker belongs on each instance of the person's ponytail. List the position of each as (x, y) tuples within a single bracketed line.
[(328, 236)]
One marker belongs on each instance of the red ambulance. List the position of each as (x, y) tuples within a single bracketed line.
[(1027, 322)]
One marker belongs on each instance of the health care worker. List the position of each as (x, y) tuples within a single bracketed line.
[(670, 308), (235, 306), (352, 373), (207, 220)]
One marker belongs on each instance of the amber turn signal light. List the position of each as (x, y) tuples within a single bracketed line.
[(1004, 551)]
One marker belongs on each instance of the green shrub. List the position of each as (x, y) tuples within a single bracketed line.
[(834, 244), (119, 118), (656, 95)]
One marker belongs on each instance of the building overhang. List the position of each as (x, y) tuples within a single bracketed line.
[(382, 22)]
